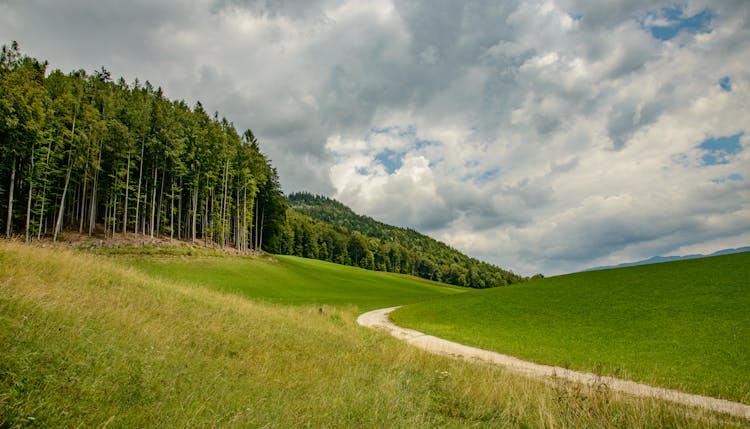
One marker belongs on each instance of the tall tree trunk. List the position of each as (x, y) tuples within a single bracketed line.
[(76, 204), (153, 203), (85, 186), (195, 209), (171, 212), (60, 212), (58, 224), (179, 212), (114, 202), (114, 209), (138, 196), (107, 214), (28, 201), (206, 215), (237, 218), (211, 217), (125, 204), (244, 219), (83, 201), (262, 219), (44, 190), (10, 199), (72, 213), (161, 200), (224, 203), (93, 206), (256, 230), (254, 226)]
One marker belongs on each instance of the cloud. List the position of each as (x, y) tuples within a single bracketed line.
[(547, 135)]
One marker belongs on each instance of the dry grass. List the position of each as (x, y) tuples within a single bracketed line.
[(85, 342)]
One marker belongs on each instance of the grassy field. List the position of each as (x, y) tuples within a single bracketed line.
[(295, 281), (684, 325), (86, 342)]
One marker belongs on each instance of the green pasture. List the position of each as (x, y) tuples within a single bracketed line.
[(88, 342), (683, 325), (296, 281)]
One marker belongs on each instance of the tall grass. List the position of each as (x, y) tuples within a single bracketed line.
[(85, 342)]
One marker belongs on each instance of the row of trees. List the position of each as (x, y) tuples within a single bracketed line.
[(81, 152), (321, 228)]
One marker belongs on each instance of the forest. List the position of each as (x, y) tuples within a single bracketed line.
[(322, 228), (81, 152)]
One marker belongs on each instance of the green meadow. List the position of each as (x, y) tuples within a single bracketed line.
[(295, 281), (683, 325), (89, 341)]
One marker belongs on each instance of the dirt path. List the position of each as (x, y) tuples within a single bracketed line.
[(379, 319)]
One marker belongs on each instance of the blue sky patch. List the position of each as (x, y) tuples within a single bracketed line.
[(734, 177), (419, 144), (719, 150), (488, 175), (393, 159), (481, 176), (390, 159), (677, 22), (725, 83)]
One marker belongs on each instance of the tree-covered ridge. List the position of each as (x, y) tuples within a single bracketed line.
[(81, 152), (322, 228)]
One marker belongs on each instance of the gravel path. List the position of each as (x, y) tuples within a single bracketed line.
[(379, 319)]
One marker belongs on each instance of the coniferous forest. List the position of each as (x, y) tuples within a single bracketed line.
[(81, 152)]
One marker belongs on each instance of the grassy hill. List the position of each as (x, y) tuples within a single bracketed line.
[(86, 341), (322, 228), (684, 325), (294, 280)]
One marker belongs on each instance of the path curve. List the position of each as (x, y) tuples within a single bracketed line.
[(379, 319)]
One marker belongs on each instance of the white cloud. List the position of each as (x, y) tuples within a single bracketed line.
[(539, 135)]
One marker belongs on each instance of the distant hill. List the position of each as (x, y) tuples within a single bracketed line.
[(322, 228), (659, 259)]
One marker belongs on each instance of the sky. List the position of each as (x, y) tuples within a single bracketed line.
[(541, 136)]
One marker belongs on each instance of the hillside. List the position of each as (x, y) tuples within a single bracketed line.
[(88, 342), (322, 228), (682, 324), (291, 280)]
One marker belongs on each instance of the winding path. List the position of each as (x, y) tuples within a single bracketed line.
[(379, 319)]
